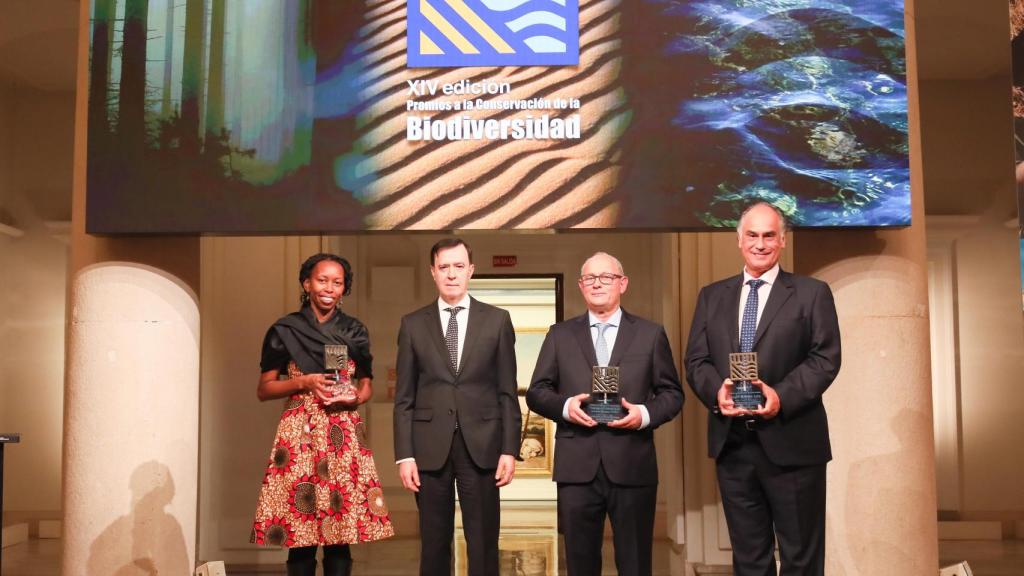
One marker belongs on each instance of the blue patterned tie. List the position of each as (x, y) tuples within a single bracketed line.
[(601, 346), (749, 326)]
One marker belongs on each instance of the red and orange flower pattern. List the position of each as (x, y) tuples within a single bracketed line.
[(321, 485)]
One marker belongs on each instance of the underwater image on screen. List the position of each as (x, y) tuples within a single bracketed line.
[(305, 116), (799, 103)]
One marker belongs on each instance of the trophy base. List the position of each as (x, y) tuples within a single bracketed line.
[(748, 399), (344, 391), (604, 412)]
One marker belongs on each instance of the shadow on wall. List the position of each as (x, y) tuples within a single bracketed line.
[(147, 540)]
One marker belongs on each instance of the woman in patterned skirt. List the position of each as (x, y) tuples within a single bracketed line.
[(321, 486)]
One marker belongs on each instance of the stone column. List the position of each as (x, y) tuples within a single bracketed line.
[(131, 425), (131, 416), (882, 516)]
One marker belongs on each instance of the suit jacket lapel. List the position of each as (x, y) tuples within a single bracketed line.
[(473, 327), (436, 332), (780, 293), (582, 332), (735, 290), (627, 329)]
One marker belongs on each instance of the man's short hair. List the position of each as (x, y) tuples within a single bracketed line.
[(596, 254), (782, 217), (446, 243)]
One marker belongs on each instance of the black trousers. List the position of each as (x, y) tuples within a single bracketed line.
[(581, 513), (764, 501), (481, 514)]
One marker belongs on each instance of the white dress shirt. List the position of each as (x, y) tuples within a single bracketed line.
[(763, 291)]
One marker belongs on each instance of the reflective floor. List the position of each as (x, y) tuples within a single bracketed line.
[(520, 558), (986, 557)]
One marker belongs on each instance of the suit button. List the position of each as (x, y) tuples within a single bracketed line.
[(450, 411)]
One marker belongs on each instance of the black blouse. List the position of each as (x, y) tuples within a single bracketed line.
[(299, 337)]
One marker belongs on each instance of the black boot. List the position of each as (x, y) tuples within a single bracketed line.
[(301, 561), (337, 567), (337, 561), (302, 567)]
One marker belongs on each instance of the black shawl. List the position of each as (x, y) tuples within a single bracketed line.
[(298, 337)]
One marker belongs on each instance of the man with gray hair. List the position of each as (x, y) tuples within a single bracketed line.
[(770, 453), (606, 469)]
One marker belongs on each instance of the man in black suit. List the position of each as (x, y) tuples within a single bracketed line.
[(771, 459), (606, 469), (457, 417)]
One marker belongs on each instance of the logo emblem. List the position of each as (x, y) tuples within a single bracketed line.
[(456, 33)]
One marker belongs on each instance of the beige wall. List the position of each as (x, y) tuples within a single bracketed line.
[(967, 146), (985, 281), (970, 199), (36, 131), (991, 362)]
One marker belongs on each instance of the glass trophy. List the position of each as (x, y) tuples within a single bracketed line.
[(742, 371), (604, 405), (336, 363)]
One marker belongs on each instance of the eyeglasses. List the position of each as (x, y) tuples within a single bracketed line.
[(606, 279)]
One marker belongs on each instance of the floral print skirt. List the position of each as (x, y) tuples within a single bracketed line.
[(321, 486)]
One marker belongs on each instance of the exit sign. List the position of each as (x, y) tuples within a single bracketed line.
[(504, 261)]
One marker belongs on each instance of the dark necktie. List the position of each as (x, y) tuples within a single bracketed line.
[(749, 326), (451, 336)]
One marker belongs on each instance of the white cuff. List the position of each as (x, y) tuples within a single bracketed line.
[(645, 417)]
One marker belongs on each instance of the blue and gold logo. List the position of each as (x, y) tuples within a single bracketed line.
[(493, 33)]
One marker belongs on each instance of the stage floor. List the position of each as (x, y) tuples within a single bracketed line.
[(398, 557)]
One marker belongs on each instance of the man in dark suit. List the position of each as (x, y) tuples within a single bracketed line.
[(770, 459), (457, 417), (606, 469)]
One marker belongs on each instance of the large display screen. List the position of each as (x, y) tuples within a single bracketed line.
[(305, 116)]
